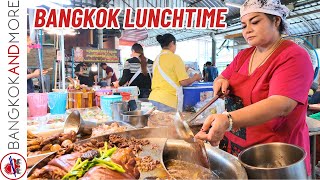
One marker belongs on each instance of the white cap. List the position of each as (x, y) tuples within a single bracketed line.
[(273, 7)]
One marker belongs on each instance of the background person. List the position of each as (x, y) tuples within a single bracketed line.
[(169, 75), (211, 72), (30, 76), (85, 75), (137, 71), (110, 75)]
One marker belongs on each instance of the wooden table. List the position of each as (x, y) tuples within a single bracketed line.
[(314, 130)]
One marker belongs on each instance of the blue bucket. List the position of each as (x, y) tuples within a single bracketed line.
[(57, 102), (191, 94), (105, 102)]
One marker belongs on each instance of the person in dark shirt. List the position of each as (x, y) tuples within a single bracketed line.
[(211, 72), (138, 71), (111, 75), (85, 76), (30, 76)]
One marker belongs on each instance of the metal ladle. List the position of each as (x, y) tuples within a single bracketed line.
[(185, 132), (75, 123)]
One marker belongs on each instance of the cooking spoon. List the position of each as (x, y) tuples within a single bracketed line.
[(186, 134)]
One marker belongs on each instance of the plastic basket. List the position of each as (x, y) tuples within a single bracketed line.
[(192, 93), (106, 101), (100, 93), (133, 90), (125, 96)]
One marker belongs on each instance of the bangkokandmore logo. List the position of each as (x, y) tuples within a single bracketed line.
[(13, 166)]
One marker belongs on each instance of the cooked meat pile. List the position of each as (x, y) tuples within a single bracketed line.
[(147, 163), (107, 129), (133, 143), (59, 167), (92, 144), (124, 156), (62, 142)]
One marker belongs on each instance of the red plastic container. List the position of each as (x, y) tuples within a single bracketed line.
[(125, 96)]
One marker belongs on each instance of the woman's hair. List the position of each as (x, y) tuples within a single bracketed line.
[(272, 18), (166, 39), (138, 49)]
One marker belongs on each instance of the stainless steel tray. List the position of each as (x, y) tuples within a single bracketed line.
[(32, 160), (156, 136), (225, 165)]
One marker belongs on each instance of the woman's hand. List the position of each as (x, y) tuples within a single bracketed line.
[(217, 124), (196, 77), (116, 84), (220, 83)]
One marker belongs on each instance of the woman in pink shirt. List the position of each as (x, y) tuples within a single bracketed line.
[(272, 78)]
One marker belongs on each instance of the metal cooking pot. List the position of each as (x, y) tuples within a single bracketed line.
[(223, 164), (274, 161), (137, 119)]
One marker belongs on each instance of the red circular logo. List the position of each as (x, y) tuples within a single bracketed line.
[(13, 166)]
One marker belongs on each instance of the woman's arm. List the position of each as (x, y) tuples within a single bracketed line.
[(255, 114), (189, 81), (264, 110)]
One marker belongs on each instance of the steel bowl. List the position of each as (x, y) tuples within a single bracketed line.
[(137, 119), (274, 161), (222, 164)]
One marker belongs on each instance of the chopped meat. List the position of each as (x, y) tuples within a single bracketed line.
[(107, 129), (34, 148), (65, 162), (48, 172), (92, 144), (90, 155), (33, 142), (147, 163), (46, 147), (71, 135), (50, 140), (133, 143)]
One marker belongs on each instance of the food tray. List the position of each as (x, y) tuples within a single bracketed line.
[(92, 115), (53, 122), (157, 138), (32, 160)]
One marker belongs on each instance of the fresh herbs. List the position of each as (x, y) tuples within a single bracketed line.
[(81, 167)]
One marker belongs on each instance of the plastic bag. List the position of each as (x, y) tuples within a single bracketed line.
[(216, 108)]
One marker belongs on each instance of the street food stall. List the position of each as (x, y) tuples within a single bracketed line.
[(78, 131)]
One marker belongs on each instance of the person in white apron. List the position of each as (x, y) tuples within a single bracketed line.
[(137, 72), (169, 75)]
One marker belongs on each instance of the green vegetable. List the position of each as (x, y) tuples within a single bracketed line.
[(81, 167)]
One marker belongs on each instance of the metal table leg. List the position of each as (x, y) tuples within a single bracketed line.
[(313, 156)]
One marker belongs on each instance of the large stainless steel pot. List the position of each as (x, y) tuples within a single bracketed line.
[(223, 164), (274, 161), (137, 119)]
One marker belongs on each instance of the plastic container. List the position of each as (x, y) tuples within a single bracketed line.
[(133, 90), (57, 102), (100, 93), (125, 96), (38, 104), (106, 101), (192, 93)]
